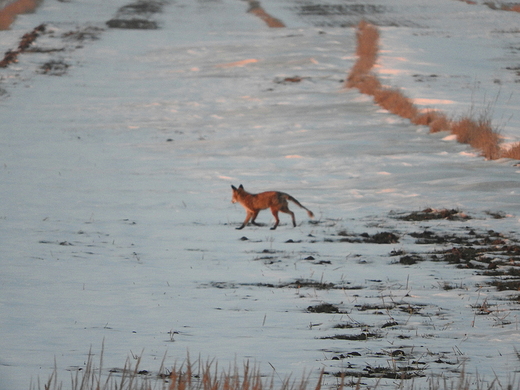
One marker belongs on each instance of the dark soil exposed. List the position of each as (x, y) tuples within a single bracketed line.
[(429, 214), (137, 15), (27, 40), (447, 235), (54, 68)]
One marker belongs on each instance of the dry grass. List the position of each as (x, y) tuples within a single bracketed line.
[(435, 120), (188, 376), (367, 50), (207, 376), (367, 42), (440, 123), (258, 11), (478, 133), (367, 83), (394, 101), (513, 152)]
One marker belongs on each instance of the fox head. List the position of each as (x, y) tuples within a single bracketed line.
[(236, 192)]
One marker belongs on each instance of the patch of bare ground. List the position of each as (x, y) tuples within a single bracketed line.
[(81, 34), (398, 373), (478, 133), (341, 9), (324, 308), (429, 214), (489, 253), (377, 238), (382, 334), (296, 284), (354, 337), (347, 15), (137, 15), (54, 68), (53, 43)]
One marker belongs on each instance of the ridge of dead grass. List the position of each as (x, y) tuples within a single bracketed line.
[(9, 12), (11, 56), (257, 10), (478, 133)]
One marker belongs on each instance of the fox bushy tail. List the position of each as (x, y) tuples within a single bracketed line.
[(311, 214)]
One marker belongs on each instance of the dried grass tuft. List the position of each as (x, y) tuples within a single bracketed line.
[(440, 123), (478, 134), (424, 118), (513, 152), (435, 120)]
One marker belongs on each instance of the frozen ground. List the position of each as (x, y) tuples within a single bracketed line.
[(116, 165)]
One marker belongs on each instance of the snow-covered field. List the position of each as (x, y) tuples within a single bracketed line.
[(118, 156)]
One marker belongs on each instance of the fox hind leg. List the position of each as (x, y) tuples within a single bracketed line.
[(285, 209)]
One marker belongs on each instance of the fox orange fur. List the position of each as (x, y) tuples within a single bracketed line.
[(254, 203)]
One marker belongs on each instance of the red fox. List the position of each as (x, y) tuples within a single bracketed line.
[(253, 203)]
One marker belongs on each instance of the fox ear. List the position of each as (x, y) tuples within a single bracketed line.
[(234, 188), (241, 187)]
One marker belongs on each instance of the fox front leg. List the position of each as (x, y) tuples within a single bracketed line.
[(255, 214), (248, 217), (277, 220)]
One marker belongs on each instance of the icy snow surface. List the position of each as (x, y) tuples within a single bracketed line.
[(115, 211)]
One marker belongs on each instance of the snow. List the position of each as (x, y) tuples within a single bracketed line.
[(115, 214)]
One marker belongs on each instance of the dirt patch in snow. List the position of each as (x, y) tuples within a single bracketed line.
[(137, 16), (386, 333)]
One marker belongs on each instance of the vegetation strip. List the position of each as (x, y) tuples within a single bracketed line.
[(478, 133), (26, 41), (9, 12), (257, 10)]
